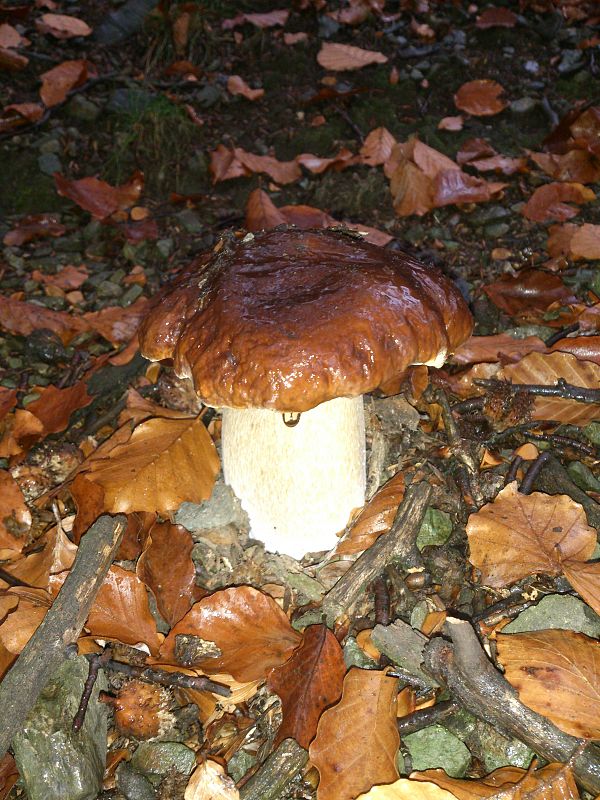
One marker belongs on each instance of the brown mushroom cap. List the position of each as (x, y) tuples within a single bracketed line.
[(288, 319)]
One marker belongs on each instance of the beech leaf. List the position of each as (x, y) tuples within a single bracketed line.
[(15, 517), (341, 57), (375, 519), (481, 98)]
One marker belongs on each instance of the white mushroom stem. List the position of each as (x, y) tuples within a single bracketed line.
[(298, 484)]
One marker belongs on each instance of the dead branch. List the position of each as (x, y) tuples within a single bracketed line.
[(482, 690), (281, 767), (567, 391), (398, 544), (61, 626)]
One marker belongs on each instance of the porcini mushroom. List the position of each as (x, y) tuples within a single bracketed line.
[(290, 322)]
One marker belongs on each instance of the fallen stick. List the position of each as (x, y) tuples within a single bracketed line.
[(480, 688), (61, 626), (273, 776)]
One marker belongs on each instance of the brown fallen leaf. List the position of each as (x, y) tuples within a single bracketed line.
[(15, 517), (480, 98), (166, 567), (318, 165), (11, 60), (31, 227), (54, 554), (527, 291), (496, 18), (121, 611), (209, 781), (67, 278), (549, 202), (62, 26), (251, 633), (58, 81), (117, 324), (451, 123), (269, 19), (226, 163), (357, 740), (20, 625), (98, 197), (236, 85), (375, 519), (406, 789), (55, 406), (500, 346), (164, 463), (309, 682), (584, 348), (340, 57), (576, 165), (17, 316), (8, 400), (10, 36), (20, 431), (585, 242), (556, 673), (377, 147), (547, 369)]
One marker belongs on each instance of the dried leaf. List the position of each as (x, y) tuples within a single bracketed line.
[(317, 165), (481, 98), (547, 369), (166, 567), (338, 57), (224, 165), (236, 85), (375, 519), (98, 197), (56, 554), (529, 290), (20, 431), (209, 781), (62, 26), (10, 37), (20, 625), (55, 406), (11, 60), (116, 324), (261, 212), (576, 165), (58, 81), (309, 682), (8, 400), (357, 740), (280, 171), (556, 674), (270, 19), (451, 123), (455, 186), (519, 535), (377, 147), (585, 242), (405, 789), (249, 629), (23, 318), (496, 18), (500, 347), (121, 611), (15, 517), (34, 226), (165, 463), (549, 202)]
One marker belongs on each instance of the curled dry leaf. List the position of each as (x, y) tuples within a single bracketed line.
[(236, 85), (34, 226), (451, 123), (21, 318), (357, 740), (519, 535), (164, 463), (58, 81), (10, 37), (15, 517), (121, 611), (117, 324), (481, 98), (209, 781), (55, 406), (250, 631), (166, 567), (375, 519), (20, 431), (377, 147), (552, 782), (11, 60), (20, 625), (62, 26), (547, 369), (557, 674), (294, 38), (98, 197), (576, 165), (228, 163), (339, 57), (54, 554), (549, 202), (529, 290), (500, 346), (67, 278), (317, 165), (270, 19), (8, 400), (309, 681), (406, 789)]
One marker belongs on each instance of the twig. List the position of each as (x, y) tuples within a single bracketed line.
[(426, 716), (398, 544), (381, 595), (61, 626), (558, 335), (533, 471), (96, 662), (480, 688), (561, 389), (554, 479), (511, 475), (198, 682), (272, 777)]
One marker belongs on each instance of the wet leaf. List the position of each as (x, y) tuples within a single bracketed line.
[(576, 165), (164, 463), (67, 278), (34, 226), (585, 242), (116, 324), (98, 197), (54, 554), (375, 519), (377, 147), (481, 98), (340, 57), (166, 567), (309, 682), (236, 85), (55, 406), (500, 346), (121, 612), (556, 673), (549, 202), (529, 290), (58, 81), (547, 369), (15, 517), (357, 740), (584, 348), (23, 318), (249, 629), (496, 18), (62, 26)]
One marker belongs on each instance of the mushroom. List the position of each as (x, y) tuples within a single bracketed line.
[(284, 331)]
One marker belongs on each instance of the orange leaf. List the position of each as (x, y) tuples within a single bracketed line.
[(377, 147), (338, 57), (496, 347), (163, 464), (62, 26), (116, 324), (496, 18), (519, 535), (23, 318), (585, 242), (34, 226), (309, 682), (15, 517), (238, 86), (375, 519), (529, 290), (98, 197), (121, 611), (166, 567), (480, 98), (549, 202), (224, 165), (280, 171), (56, 555), (556, 674), (357, 740), (55, 406), (251, 632), (261, 212), (58, 81)]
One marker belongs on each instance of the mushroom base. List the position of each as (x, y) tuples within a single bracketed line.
[(297, 484)]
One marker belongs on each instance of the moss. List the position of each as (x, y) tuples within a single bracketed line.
[(321, 141), (353, 194), (23, 188)]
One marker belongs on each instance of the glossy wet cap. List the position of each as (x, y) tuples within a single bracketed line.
[(288, 319)]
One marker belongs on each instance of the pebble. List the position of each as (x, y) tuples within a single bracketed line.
[(49, 163), (523, 105)]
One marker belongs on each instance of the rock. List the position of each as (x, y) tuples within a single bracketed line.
[(81, 108), (523, 105), (50, 145), (435, 528), (496, 230), (133, 785), (130, 101), (190, 220), (435, 747), (571, 61), (54, 762), (557, 611), (49, 163), (221, 509), (154, 759), (131, 295)]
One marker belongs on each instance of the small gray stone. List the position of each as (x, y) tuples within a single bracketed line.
[(109, 289), (416, 74), (133, 785), (80, 107), (557, 611), (51, 145), (159, 758), (435, 528), (355, 656), (435, 747), (523, 105), (49, 163), (131, 295), (54, 762), (130, 101), (571, 61), (165, 247), (532, 67), (190, 221), (222, 508), (496, 230)]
